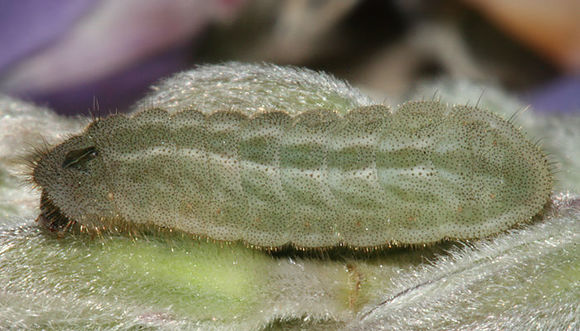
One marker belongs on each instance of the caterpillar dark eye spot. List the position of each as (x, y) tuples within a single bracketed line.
[(78, 158)]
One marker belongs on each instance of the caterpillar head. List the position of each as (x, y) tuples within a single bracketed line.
[(73, 179)]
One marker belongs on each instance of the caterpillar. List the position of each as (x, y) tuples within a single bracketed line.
[(368, 176)]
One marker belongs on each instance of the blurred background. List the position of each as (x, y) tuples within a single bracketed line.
[(71, 55)]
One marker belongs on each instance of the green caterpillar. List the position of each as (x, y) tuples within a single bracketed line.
[(364, 177)]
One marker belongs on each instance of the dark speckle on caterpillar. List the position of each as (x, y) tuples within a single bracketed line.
[(274, 155)]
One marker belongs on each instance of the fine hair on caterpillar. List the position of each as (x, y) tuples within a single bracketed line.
[(295, 170)]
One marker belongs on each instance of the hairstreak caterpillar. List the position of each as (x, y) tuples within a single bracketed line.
[(363, 177)]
